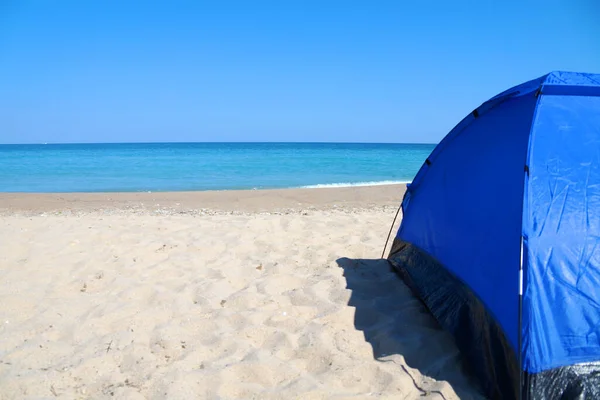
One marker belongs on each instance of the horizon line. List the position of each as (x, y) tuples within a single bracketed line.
[(210, 142)]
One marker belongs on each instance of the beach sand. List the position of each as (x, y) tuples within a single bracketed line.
[(275, 294)]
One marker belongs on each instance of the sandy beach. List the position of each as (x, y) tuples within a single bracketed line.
[(275, 294)]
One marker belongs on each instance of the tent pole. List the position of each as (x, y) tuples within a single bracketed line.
[(522, 394), (390, 232)]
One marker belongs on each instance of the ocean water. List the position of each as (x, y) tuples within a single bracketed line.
[(204, 166)]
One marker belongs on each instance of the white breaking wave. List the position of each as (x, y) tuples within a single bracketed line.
[(337, 185)]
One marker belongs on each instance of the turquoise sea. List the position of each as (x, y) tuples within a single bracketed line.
[(204, 166)]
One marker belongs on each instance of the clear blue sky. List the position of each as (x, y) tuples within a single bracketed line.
[(370, 71)]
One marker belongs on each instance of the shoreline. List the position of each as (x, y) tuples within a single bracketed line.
[(214, 202)]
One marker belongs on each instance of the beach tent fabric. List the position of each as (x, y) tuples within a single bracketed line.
[(500, 238)]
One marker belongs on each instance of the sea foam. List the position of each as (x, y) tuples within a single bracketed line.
[(352, 184)]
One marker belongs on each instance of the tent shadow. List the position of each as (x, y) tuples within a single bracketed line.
[(395, 323)]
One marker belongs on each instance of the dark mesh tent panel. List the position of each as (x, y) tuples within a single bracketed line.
[(460, 312)]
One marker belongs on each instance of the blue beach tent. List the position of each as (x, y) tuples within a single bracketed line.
[(500, 238)]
